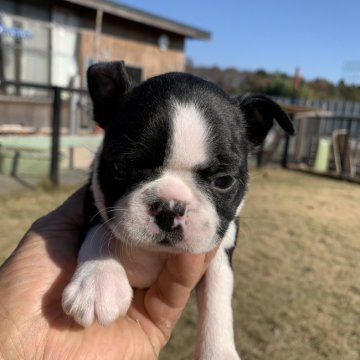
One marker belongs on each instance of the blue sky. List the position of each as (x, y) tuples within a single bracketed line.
[(319, 36)]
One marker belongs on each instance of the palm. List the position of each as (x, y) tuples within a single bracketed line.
[(39, 274)]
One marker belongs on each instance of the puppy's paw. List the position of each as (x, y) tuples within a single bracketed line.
[(98, 290)]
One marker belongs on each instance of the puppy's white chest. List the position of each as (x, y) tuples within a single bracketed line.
[(142, 266)]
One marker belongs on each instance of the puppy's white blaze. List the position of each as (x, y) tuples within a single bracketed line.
[(189, 138), (172, 187)]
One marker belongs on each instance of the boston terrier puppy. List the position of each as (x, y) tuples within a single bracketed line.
[(170, 176)]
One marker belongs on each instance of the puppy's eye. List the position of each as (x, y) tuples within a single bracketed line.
[(145, 172), (223, 182)]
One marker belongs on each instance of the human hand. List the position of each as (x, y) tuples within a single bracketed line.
[(32, 322)]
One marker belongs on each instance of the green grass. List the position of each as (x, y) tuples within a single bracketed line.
[(297, 267)]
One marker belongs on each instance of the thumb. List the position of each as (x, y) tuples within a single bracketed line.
[(167, 297)]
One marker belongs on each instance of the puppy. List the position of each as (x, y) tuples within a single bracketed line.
[(170, 176)]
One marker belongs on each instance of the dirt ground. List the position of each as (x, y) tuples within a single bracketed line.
[(297, 267)]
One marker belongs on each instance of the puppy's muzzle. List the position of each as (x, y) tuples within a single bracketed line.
[(168, 215)]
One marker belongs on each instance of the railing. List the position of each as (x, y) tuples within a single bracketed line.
[(336, 107), (56, 92), (327, 145)]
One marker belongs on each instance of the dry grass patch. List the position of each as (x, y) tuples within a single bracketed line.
[(18, 212), (297, 272), (297, 267)]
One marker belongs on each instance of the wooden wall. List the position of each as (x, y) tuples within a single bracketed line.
[(145, 55)]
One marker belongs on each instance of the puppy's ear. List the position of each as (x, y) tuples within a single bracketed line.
[(107, 83), (259, 112)]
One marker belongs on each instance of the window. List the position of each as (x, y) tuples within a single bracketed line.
[(37, 51), (65, 45)]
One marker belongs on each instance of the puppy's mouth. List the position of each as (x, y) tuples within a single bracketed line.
[(172, 238), (165, 242)]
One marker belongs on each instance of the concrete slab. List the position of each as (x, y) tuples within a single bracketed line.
[(11, 185)]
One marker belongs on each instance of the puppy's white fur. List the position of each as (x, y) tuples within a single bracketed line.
[(214, 294)]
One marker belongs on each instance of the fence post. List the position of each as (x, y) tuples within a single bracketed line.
[(55, 137), (346, 150), (259, 156), (71, 157), (1, 159), (15, 163), (284, 160)]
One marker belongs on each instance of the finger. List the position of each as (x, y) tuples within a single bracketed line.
[(179, 277), (166, 299)]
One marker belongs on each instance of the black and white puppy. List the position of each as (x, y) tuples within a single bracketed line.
[(171, 176)]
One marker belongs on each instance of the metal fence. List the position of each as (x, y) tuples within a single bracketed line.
[(65, 128), (327, 140), (327, 145), (336, 107)]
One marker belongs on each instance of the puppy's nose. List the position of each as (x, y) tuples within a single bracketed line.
[(167, 214)]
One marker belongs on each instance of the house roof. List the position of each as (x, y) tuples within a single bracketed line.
[(143, 17)]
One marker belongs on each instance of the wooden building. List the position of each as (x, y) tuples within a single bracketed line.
[(54, 41)]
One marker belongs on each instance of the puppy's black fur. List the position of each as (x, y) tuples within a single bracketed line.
[(138, 131)]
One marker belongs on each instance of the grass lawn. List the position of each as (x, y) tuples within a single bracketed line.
[(297, 267)]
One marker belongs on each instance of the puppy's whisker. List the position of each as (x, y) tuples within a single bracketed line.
[(100, 226), (115, 210), (106, 211), (107, 241), (124, 237)]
